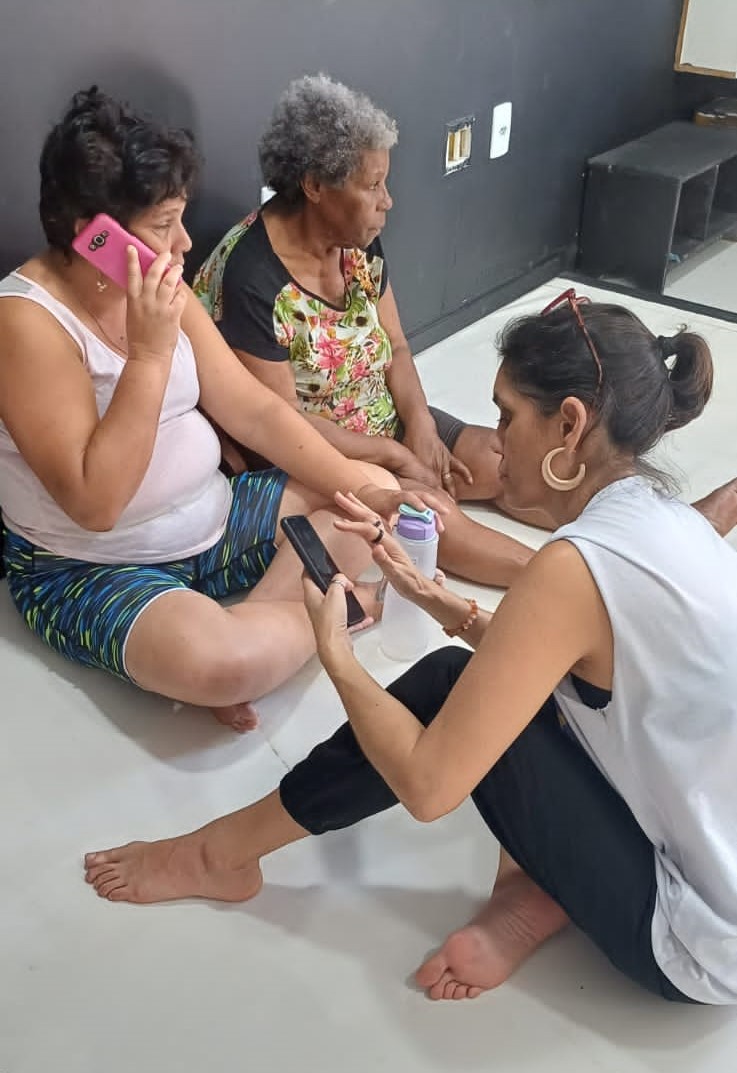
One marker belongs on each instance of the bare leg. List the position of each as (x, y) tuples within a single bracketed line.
[(481, 554), (516, 920), (220, 860), (720, 507), (186, 646)]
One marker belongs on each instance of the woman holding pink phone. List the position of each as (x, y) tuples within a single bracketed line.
[(120, 530)]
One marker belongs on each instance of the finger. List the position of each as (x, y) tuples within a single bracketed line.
[(158, 268), (347, 525), (449, 484), (373, 532), (422, 502), (135, 276), (381, 556), (312, 595), (390, 556), (345, 582), (179, 297), (333, 600), (352, 505), (354, 499), (440, 504), (460, 469), (381, 501), (171, 294), (379, 532), (172, 278)]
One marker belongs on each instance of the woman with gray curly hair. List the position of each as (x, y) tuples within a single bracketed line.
[(300, 291), (323, 127)]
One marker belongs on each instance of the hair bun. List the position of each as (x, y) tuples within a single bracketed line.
[(668, 346)]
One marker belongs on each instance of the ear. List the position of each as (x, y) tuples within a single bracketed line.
[(79, 225), (312, 188), (574, 420)]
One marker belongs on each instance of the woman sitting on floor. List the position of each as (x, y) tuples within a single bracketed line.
[(301, 292), (120, 529), (594, 726)]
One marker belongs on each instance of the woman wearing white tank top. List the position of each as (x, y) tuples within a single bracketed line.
[(119, 527)]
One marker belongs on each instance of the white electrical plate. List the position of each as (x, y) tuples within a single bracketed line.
[(501, 129)]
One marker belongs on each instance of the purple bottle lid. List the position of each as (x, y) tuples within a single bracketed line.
[(415, 524)]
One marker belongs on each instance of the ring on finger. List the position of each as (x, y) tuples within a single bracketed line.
[(380, 534), (338, 581)]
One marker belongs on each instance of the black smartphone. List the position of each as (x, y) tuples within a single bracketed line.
[(301, 534)]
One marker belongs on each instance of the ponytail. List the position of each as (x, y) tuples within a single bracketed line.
[(691, 377)]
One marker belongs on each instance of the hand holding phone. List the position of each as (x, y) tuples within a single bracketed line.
[(317, 561), (104, 243)]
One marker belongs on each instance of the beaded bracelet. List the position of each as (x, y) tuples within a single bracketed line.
[(473, 614)]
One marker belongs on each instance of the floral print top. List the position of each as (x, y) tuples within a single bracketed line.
[(340, 357)]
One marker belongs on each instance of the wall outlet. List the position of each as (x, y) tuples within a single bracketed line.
[(501, 130), (458, 137)]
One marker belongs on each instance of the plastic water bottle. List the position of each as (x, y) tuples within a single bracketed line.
[(405, 628)]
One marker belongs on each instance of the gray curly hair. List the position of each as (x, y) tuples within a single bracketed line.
[(320, 127)]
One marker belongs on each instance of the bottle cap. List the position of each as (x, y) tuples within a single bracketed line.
[(415, 524)]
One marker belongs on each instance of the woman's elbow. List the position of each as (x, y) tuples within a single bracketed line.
[(94, 517), (427, 804), (96, 522), (100, 524)]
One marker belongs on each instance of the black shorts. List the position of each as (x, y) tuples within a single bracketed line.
[(449, 427)]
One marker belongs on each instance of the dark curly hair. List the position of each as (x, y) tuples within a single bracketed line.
[(102, 157)]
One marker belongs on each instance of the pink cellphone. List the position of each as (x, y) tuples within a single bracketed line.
[(103, 243)]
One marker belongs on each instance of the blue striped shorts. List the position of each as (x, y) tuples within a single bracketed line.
[(85, 610)]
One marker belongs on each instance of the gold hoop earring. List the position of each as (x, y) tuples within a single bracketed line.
[(101, 284), (560, 484)]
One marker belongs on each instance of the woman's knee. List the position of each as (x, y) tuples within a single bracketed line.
[(184, 646), (226, 674), (202, 673), (424, 687), (298, 499)]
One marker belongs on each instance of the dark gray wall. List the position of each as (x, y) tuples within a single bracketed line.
[(583, 75)]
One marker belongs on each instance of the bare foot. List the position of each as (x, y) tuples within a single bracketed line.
[(720, 507), (240, 717), (517, 919), (182, 867)]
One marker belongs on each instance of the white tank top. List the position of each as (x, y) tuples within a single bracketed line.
[(667, 741), (182, 504)]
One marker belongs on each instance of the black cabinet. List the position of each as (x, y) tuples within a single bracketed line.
[(654, 201)]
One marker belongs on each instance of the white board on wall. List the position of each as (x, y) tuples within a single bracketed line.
[(707, 43)]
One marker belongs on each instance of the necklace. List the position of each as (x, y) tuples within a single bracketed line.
[(73, 287), (118, 344)]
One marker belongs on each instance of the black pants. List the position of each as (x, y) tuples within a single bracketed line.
[(545, 802)]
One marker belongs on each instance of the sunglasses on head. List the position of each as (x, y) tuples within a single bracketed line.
[(574, 302)]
